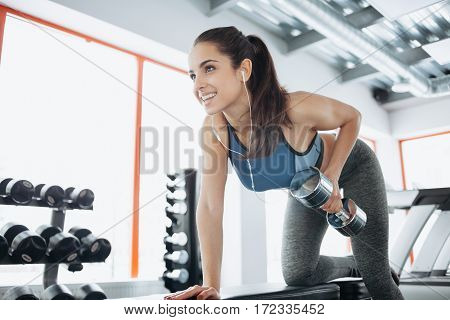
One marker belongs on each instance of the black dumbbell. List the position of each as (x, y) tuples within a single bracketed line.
[(57, 292), (180, 275), (52, 196), (179, 256), (19, 191), (172, 176), (83, 198), (177, 208), (25, 246), (177, 183), (91, 291), (61, 246), (179, 239), (92, 248), (20, 293), (3, 247), (178, 194), (172, 222)]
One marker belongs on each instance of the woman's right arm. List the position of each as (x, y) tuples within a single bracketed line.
[(211, 203), (209, 214)]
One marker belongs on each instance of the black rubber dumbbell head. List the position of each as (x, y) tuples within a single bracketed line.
[(61, 246), (11, 230), (52, 196), (57, 292), (83, 198), (92, 248), (47, 231), (91, 291), (20, 293), (25, 246), (19, 191), (3, 247)]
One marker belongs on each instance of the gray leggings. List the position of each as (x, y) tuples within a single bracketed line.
[(304, 229)]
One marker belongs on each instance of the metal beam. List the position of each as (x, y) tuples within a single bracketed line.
[(216, 6), (361, 19), (365, 71), (365, 17), (393, 96)]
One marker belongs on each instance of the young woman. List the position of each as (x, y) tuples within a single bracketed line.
[(265, 130)]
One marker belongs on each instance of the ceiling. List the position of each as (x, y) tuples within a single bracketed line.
[(417, 34)]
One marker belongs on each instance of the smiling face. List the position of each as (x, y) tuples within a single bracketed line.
[(213, 77)]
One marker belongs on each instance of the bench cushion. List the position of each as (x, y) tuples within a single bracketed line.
[(352, 289), (280, 291)]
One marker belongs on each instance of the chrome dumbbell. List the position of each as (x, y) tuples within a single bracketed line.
[(313, 189)]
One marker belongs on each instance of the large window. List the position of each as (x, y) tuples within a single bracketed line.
[(68, 118), (425, 161)]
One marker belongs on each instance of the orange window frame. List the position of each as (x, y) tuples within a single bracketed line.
[(140, 65)]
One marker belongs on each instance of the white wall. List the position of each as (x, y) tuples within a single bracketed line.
[(424, 119)]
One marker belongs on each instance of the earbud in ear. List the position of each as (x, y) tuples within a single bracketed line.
[(243, 75)]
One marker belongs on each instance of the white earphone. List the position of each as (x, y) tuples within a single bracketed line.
[(251, 133)]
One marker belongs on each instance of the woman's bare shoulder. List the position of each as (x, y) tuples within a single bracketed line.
[(214, 125), (298, 107)]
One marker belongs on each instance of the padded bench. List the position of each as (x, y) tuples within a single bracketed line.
[(352, 289), (280, 291), (344, 289)]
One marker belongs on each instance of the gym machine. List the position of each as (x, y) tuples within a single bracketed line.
[(427, 278)]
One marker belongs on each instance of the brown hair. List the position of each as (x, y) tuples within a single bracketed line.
[(269, 99)]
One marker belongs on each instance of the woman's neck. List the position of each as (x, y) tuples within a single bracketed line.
[(238, 116)]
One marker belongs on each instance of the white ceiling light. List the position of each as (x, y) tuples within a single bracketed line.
[(350, 65), (244, 6), (394, 9), (439, 51), (415, 43), (401, 87), (432, 38), (347, 11), (295, 32), (363, 3)]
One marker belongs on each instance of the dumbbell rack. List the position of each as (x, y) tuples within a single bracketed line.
[(57, 219), (185, 223)]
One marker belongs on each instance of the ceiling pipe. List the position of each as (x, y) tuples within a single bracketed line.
[(333, 25)]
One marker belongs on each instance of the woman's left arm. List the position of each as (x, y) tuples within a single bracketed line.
[(323, 113)]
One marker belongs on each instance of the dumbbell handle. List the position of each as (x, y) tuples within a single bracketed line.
[(343, 215)]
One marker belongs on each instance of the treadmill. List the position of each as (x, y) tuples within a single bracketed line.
[(428, 278)]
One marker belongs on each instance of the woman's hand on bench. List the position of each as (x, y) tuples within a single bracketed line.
[(195, 293)]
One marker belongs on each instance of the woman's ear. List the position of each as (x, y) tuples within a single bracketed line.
[(246, 69)]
